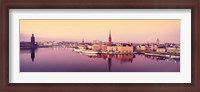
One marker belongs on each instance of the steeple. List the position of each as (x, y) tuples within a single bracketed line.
[(157, 41), (109, 39), (109, 34)]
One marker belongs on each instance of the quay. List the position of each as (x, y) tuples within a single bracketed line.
[(167, 55)]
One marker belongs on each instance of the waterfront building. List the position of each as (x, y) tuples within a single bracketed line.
[(115, 48), (148, 48), (96, 47), (25, 45), (110, 48), (125, 48), (173, 50), (138, 47), (151, 47), (31, 44), (178, 50), (82, 47), (134, 47), (155, 47), (161, 49), (103, 47), (142, 47)]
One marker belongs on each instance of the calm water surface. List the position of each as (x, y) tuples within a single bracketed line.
[(65, 60)]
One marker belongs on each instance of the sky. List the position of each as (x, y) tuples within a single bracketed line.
[(136, 31)]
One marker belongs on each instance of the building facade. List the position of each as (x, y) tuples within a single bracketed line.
[(161, 50)]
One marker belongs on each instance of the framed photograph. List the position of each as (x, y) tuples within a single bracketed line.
[(100, 45)]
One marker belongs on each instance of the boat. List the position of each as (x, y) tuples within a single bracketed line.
[(103, 52), (135, 52), (152, 54), (77, 50), (91, 52), (175, 57)]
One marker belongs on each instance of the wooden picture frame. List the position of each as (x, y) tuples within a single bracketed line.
[(104, 4)]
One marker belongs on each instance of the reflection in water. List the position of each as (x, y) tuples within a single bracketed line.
[(65, 60), (151, 57), (32, 54), (109, 62), (125, 58), (120, 57), (31, 51)]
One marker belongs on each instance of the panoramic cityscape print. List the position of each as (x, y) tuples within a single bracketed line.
[(99, 45)]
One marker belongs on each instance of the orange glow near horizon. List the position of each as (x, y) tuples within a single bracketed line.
[(137, 31)]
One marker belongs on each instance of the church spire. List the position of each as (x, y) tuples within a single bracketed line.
[(157, 41), (109, 34), (109, 39)]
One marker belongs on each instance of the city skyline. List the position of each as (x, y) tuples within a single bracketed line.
[(136, 31)]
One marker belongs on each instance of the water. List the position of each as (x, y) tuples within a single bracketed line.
[(65, 60)]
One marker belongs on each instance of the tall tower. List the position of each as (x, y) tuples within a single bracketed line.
[(109, 39), (157, 41), (32, 40)]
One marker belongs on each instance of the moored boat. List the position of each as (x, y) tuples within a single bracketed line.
[(91, 52), (152, 54), (77, 50)]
